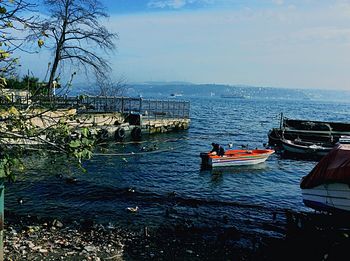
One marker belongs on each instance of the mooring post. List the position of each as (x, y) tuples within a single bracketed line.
[(2, 188)]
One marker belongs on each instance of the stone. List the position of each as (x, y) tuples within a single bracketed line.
[(90, 248), (43, 251), (30, 244), (57, 223)]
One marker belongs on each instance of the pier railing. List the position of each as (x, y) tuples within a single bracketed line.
[(148, 108)]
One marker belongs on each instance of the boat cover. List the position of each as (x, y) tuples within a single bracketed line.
[(334, 167)]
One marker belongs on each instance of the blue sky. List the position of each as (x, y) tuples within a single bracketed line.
[(280, 43)]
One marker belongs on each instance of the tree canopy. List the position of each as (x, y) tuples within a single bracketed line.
[(75, 34)]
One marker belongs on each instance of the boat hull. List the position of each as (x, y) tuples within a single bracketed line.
[(236, 158), (333, 197), (312, 149), (227, 162), (275, 137)]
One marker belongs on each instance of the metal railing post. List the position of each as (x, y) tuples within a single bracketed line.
[(183, 109), (140, 108)]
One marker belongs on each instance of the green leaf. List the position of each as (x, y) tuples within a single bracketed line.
[(3, 10), (86, 154), (85, 132), (75, 144), (86, 142), (40, 42)]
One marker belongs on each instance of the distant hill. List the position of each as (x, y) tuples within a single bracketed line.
[(164, 90), (218, 90)]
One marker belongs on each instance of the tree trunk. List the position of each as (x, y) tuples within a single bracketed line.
[(53, 71), (60, 44)]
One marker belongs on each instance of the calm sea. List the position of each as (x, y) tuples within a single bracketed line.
[(168, 184)]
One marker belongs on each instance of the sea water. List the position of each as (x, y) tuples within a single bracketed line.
[(162, 175)]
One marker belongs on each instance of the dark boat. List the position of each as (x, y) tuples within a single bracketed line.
[(275, 137), (308, 131), (338, 128), (305, 148)]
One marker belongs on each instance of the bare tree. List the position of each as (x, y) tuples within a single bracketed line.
[(111, 88), (78, 36)]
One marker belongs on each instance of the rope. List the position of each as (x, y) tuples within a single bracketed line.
[(140, 142), (133, 153)]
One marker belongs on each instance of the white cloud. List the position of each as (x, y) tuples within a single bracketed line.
[(170, 3), (175, 4), (283, 46)]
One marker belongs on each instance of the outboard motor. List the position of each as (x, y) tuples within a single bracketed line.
[(205, 159)]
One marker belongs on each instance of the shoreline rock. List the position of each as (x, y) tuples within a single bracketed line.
[(33, 238)]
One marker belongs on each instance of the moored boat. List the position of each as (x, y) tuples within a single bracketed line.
[(306, 148), (327, 186), (313, 131), (275, 137), (236, 158)]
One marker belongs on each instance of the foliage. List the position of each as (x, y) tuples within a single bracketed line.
[(21, 134), (26, 83), (11, 23)]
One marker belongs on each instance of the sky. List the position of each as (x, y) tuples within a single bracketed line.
[(275, 43)]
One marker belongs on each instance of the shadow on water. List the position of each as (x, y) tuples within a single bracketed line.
[(219, 176), (299, 157), (234, 169)]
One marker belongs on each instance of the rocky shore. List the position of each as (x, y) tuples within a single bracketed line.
[(304, 238)]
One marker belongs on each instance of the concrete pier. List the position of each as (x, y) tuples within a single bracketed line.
[(118, 127), (122, 117), (113, 118)]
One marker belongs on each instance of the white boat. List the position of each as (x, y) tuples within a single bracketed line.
[(327, 186), (236, 158), (328, 197)]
